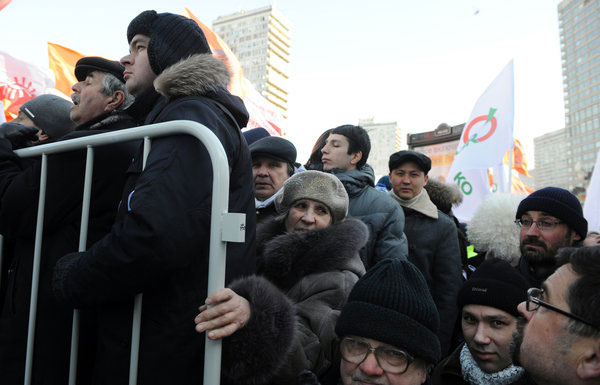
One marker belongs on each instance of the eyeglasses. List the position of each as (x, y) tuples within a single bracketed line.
[(542, 225), (534, 302), (390, 360)]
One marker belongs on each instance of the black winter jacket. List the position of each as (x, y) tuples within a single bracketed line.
[(19, 190), (159, 245)]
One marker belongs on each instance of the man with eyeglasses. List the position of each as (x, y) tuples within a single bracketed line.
[(549, 219), (558, 341), (388, 328)]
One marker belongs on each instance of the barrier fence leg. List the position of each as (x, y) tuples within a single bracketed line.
[(35, 276), (137, 306), (83, 233)]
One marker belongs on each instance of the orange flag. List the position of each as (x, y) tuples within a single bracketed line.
[(62, 62), (4, 3)]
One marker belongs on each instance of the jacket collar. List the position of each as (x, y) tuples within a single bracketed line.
[(284, 258)]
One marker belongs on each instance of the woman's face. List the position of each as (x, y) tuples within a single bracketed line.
[(306, 214)]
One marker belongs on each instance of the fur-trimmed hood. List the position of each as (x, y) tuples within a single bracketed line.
[(285, 258), (201, 75), (443, 195)]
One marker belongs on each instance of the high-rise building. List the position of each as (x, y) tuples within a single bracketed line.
[(579, 26), (385, 140), (550, 154), (261, 40)]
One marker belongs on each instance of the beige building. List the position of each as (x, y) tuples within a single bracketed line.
[(550, 158), (261, 40), (385, 140), (579, 28)]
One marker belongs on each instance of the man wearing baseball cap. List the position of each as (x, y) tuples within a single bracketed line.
[(159, 244), (273, 162), (431, 235), (549, 219)]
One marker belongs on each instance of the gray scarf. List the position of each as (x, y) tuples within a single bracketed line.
[(473, 374)]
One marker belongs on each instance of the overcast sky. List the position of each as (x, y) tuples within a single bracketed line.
[(419, 63)]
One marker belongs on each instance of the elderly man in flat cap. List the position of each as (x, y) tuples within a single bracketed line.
[(99, 98), (273, 162)]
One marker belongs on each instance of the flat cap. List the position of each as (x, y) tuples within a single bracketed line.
[(88, 64), (276, 148), (400, 157)]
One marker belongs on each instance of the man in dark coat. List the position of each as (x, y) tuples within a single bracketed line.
[(273, 162), (159, 244), (345, 155), (101, 95), (549, 218), (431, 234)]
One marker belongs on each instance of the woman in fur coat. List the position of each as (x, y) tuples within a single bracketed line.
[(310, 253)]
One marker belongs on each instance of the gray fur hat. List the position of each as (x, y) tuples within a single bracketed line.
[(51, 113), (317, 186)]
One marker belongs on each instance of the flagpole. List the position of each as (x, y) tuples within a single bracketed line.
[(510, 166)]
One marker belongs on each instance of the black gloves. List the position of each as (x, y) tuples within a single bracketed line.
[(20, 136)]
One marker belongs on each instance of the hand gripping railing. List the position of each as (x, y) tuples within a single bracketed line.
[(226, 227)]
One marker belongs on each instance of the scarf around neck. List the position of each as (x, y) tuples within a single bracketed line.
[(473, 374), (420, 203), (261, 204)]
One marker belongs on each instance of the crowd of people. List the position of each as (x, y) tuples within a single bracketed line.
[(337, 282)]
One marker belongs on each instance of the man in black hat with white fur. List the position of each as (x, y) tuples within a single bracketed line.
[(97, 109), (160, 241)]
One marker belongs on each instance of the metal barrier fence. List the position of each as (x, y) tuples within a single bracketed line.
[(226, 227)]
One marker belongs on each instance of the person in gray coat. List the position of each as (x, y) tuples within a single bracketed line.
[(310, 253), (432, 237), (345, 155)]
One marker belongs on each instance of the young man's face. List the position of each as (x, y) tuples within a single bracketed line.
[(543, 345), (408, 180), (268, 176), (540, 246), (138, 74), (335, 154), (88, 99), (23, 119), (488, 333)]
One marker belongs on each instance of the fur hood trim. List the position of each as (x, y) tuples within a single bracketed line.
[(492, 228), (114, 117), (443, 195), (287, 258), (197, 75)]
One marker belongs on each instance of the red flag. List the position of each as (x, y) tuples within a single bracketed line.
[(4, 3)]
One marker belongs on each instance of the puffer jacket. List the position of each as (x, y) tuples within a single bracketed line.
[(379, 212), (159, 244)]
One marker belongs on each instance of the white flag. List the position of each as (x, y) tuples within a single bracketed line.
[(486, 137), (591, 207)]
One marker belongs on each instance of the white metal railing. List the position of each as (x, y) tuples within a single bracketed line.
[(226, 227)]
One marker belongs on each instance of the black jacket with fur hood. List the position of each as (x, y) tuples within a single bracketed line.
[(159, 244), (316, 270)]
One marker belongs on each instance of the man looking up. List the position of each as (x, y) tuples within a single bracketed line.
[(431, 234), (273, 160), (345, 155), (98, 105), (549, 219), (558, 342), (159, 244), (488, 306)]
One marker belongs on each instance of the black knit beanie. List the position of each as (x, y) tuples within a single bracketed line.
[(51, 113), (391, 304), (172, 38), (559, 203), (495, 284)]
